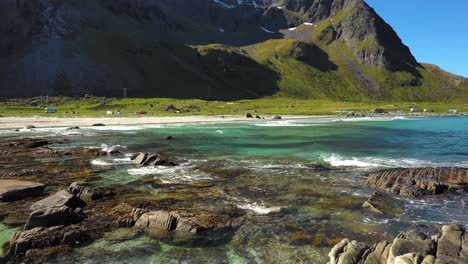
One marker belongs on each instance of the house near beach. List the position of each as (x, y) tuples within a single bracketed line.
[(452, 111), (414, 110)]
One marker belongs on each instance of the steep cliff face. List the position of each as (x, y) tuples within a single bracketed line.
[(164, 48)]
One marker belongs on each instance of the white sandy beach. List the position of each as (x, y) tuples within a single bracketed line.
[(45, 122)]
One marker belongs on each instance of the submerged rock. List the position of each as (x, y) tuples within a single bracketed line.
[(408, 247), (13, 190), (384, 204), (420, 181)]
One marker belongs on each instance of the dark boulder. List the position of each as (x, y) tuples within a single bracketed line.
[(420, 181), (72, 128), (249, 115), (85, 193), (59, 199), (277, 117), (40, 238), (186, 221), (12, 190), (54, 216), (153, 159), (98, 125)]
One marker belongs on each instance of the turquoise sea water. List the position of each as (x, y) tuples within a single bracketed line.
[(263, 167)]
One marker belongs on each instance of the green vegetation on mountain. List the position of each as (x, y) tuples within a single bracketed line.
[(339, 50)]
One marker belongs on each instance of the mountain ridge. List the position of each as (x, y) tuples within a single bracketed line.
[(335, 49)]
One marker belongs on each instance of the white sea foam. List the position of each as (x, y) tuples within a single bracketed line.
[(100, 162), (373, 119), (285, 124), (113, 148), (110, 162), (375, 162), (181, 173), (123, 128), (259, 209)]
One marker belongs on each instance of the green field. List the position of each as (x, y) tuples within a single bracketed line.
[(97, 107)]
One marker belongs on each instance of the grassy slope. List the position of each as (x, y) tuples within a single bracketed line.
[(97, 107)]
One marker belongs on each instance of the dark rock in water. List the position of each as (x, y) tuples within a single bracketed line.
[(381, 203), (12, 190), (153, 159), (54, 216), (420, 181), (408, 247), (98, 125), (186, 222), (72, 128), (37, 144), (59, 199), (24, 172), (277, 117), (84, 192), (140, 158), (29, 127), (258, 117), (249, 115), (40, 238), (169, 138)]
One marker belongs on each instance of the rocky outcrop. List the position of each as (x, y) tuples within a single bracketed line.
[(153, 159), (54, 216), (408, 247), (186, 222), (13, 190), (87, 193), (420, 181), (59, 199), (41, 238)]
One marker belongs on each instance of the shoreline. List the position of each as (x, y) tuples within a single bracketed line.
[(8, 123), (11, 123)]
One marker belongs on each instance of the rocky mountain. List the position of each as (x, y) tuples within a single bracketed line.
[(211, 49)]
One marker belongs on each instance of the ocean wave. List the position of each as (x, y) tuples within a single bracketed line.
[(111, 162), (285, 124), (181, 174), (373, 119), (375, 162), (123, 128)]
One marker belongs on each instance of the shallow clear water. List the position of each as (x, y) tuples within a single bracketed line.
[(262, 167)]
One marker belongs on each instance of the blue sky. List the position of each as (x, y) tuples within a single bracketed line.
[(435, 31)]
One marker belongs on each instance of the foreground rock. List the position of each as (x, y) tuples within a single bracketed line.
[(450, 247), (177, 220), (41, 238), (54, 216), (59, 199), (153, 159), (420, 181), (13, 190), (186, 222)]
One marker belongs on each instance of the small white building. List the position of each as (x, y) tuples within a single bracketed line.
[(453, 111), (414, 110), (428, 110)]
